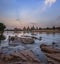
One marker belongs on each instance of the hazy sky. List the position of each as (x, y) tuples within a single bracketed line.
[(40, 13)]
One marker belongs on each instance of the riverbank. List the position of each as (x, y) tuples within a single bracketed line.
[(47, 31), (32, 31)]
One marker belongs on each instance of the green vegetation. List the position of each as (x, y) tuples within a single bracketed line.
[(2, 27)]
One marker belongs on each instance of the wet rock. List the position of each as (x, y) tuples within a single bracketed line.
[(34, 37), (27, 40), (49, 49), (40, 38), (22, 57), (23, 39), (52, 54)]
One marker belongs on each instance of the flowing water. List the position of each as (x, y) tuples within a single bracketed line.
[(47, 38)]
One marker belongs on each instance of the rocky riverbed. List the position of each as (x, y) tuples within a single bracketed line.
[(18, 57), (18, 46), (18, 51)]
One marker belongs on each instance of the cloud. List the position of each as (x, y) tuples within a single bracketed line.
[(49, 2), (46, 4), (29, 17)]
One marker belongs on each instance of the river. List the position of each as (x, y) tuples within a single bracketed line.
[(47, 38)]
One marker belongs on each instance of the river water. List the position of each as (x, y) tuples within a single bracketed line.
[(47, 38)]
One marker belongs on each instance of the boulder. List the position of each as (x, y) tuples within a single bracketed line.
[(26, 40), (49, 49), (52, 54), (23, 39)]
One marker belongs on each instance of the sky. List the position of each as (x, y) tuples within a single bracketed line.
[(20, 13)]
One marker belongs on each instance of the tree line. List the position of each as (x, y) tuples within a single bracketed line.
[(2, 28), (36, 28)]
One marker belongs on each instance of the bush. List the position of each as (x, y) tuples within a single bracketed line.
[(2, 37)]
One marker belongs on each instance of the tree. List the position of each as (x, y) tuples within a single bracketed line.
[(37, 28), (47, 28), (2, 37), (15, 30), (53, 27), (58, 28), (32, 28), (40, 28), (2, 27), (24, 28), (28, 28)]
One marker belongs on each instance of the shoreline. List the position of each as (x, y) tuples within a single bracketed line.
[(47, 31)]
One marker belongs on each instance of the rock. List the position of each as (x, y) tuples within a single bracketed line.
[(52, 54), (55, 56), (40, 38), (8, 57), (26, 40), (49, 49), (23, 39), (22, 57), (34, 37), (52, 61), (29, 55)]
